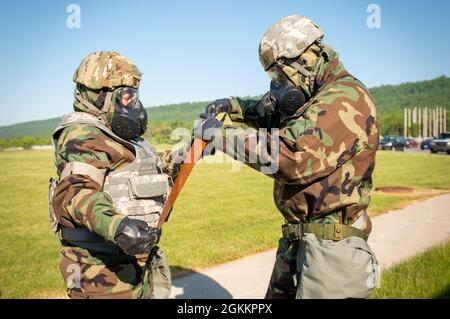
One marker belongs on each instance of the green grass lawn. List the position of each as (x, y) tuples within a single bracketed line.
[(417, 170), (425, 276), (220, 215)]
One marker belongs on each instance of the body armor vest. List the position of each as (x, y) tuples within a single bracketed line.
[(138, 190)]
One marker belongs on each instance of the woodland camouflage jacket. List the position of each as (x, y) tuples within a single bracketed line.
[(327, 153), (79, 201)]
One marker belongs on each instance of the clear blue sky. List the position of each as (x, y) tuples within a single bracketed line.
[(202, 50)]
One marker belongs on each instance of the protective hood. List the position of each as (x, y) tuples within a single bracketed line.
[(91, 101), (329, 70), (83, 94), (314, 68)]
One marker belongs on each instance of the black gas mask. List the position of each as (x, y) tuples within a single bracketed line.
[(130, 118), (289, 97)]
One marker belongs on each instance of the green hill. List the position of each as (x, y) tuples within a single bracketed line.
[(183, 112), (390, 101), (391, 98), (33, 128)]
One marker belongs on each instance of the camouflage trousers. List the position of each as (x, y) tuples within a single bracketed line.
[(95, 276), (283, 282)]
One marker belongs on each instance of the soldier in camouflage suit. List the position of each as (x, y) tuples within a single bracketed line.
[(112, 186), (327, 140)]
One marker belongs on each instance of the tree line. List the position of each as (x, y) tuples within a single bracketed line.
[(391, 123)]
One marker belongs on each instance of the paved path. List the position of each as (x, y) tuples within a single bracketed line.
[(395, 237)]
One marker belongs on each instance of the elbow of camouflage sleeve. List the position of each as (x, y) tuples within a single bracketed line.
[(301, 174), (299, 167), (107, 224), (289, 177), (90, 207)]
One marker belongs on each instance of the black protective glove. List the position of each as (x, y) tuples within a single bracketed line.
[(268, 103), (216, 107), (264, 113), (135, 237), (206, 129)]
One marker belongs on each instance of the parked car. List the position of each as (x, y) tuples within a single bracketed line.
[(426, 144), (393, 143), (441, 144), (411, 143)]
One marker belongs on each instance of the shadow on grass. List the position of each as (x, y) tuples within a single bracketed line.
[(444, 294), (189, 284)]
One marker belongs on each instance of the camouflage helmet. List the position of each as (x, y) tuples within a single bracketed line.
[(107, 69), (288, 38)]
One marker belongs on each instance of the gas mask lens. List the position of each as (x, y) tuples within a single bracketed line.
[(127, 97)]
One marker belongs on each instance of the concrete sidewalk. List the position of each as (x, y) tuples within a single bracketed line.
[(395, 237)]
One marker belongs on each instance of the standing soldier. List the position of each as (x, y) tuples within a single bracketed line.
[(326, 140), (112, 186)]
